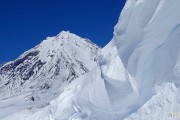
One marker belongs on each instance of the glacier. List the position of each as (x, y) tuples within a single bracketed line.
[(138, 73)]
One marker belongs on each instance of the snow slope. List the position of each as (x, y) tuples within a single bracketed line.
[(138, 72), (40, 74)]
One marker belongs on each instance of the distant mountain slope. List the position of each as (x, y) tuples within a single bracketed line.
[(41, 73)]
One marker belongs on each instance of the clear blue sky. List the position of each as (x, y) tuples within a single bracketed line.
[(25, 23)]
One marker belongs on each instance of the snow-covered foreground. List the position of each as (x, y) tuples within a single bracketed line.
[(138, 72)]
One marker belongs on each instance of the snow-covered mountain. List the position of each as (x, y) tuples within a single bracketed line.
[(138, 73), (40, 74)]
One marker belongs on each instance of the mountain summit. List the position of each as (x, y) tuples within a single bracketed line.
[(41, 73)]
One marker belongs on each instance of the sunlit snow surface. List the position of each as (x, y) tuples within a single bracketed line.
[(138, 72)]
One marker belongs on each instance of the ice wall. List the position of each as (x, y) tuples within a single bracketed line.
[(147, 38)]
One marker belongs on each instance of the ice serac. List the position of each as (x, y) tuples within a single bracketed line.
[(147, 40), (148, 45), (40, 74), (138, 71)]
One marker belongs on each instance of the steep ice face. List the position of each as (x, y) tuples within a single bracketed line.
[(148, 42), (40, 74)]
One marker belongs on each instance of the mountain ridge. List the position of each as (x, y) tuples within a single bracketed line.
[(43, 71)]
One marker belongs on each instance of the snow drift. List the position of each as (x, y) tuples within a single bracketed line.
[(138, 72)]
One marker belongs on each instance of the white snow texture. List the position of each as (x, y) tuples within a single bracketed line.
[(138, 72)]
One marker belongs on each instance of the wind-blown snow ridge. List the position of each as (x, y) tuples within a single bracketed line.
[(137, 76)]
